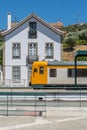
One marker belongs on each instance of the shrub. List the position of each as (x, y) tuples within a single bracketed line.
[(81, 42)]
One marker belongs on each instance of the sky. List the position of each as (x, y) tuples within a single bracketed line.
[(51, 11)]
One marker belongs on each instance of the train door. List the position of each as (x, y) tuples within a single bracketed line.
[(42, 75)]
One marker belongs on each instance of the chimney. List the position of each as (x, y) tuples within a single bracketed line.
[(9, 21)]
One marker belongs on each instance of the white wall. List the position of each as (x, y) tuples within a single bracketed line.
[(20, 35), (1, 74), (62, 78)]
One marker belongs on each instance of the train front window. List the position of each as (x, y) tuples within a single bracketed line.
[(53, 73), (35, 70), (41, 70)]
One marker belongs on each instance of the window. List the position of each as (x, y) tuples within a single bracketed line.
[(53, 73), (16, 51), (16, 73), (35, 70), (32, 31), (49, 50), (41, 70), (80, 72), (71, 72), (33, 51)]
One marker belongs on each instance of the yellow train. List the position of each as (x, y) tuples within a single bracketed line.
[(58, 74)]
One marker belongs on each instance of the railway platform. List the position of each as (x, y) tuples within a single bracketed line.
[(61, 119)]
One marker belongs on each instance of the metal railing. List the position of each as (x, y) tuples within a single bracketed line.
[(27, 102), (31, 58), (21, 104)]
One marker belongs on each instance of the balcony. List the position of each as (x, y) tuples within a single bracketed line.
[(32, 34), (31, 58), (49, 57)]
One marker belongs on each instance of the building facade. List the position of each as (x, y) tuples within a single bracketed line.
[(30, 40)]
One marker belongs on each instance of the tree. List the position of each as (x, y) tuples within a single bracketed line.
[(83, 35), (70, 39)]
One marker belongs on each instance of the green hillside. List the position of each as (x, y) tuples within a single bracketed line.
[(75, 27), (75, 39), (75, 35)]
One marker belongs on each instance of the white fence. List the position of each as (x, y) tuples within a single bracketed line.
[(13, 83)]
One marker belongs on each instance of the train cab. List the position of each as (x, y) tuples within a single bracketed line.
[(39, 74)]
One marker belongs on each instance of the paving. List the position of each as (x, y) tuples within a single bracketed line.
[(55, 119)]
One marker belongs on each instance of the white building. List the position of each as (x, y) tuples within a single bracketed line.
[(30, 40)]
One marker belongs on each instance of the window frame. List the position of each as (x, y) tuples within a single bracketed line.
[(49, 48), (52, 72), (16, 51), (32, 29), (71, 72), (35, 70), (14, 75), (41, 70), (33, 56)]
